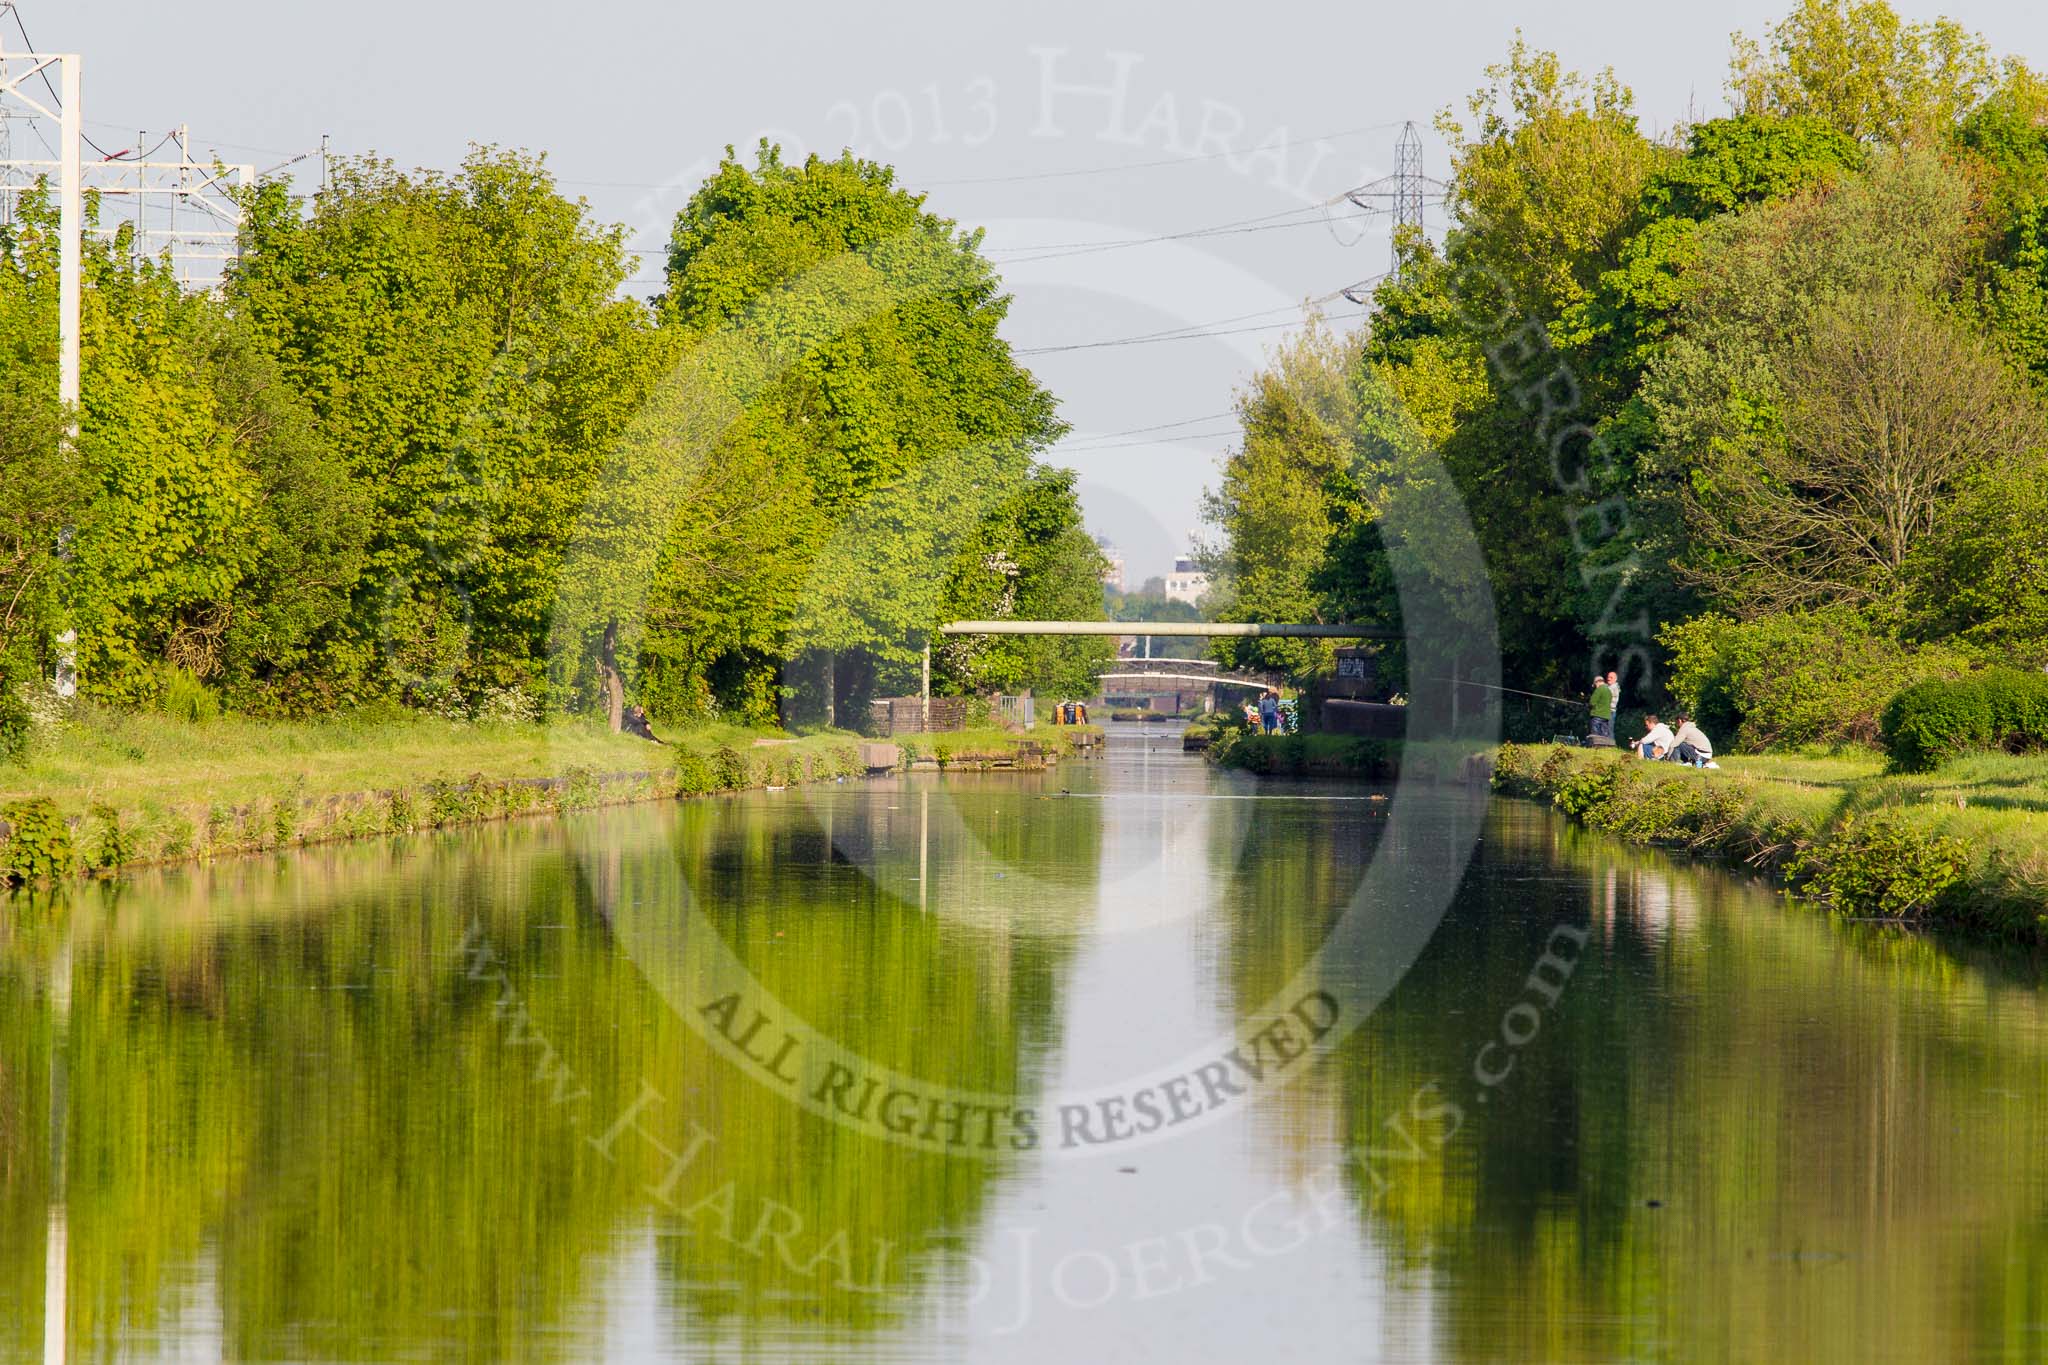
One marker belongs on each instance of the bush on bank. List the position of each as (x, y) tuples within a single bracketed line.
[(1889, 862), (1813, 677), (1938, 719)]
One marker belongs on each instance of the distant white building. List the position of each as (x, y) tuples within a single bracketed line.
[(1186, 583), (1113, 564)]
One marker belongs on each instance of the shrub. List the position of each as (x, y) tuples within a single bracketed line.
[(284, 819), (695, 774), (1938, 719), (1582, 792), (1513, 770), (182, 696), (110, 845), (38, 846), (16, 721), (220, 828), (1556, 764), (446, 803), (1797, 678), (1881, 865), (730, 767), (177, 835), (581, 788)]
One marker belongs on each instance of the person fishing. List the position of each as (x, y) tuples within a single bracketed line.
[(1600, 710)]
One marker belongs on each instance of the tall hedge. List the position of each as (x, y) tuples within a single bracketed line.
[(1999, 709)]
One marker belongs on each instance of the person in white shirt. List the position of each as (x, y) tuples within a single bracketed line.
[(1658, 741), (1690, 745)]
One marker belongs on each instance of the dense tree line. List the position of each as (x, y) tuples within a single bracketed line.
[(420, 448), (1752, 411)]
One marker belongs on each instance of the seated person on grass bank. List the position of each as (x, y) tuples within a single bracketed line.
[(1690, 745), (1658, 741)]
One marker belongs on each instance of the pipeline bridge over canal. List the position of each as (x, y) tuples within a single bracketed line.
[(1193, 674)]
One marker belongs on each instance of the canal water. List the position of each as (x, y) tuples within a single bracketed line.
[(1127, 1061)]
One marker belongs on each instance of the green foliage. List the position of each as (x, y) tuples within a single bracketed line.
[(695, 774), (109, 843), (1803, 318), (183, 697), (581, 788), (38, 846), (837, 457), (459, 342), (1818, 677), (1939, 719), (42, 489), (1881, 866), (16, 723), (1863, 70), (1277, 502), (729, 766), (1584, 790), (1728, 164), (1514, 771), (1034, 561), (1543, 181)]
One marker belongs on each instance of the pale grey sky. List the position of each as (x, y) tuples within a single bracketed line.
[(632, 100)]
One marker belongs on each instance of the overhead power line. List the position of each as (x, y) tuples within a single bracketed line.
[(1148, 441), (1145, 340), (1118, 169), (1163, 426), (1196, 330), (1005, 256), (56, 100), (1163, 161)]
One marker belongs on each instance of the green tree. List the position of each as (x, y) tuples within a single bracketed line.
[(1032, 561), (1863, 70), (461, 342), (1543, 182), (1798, 310), (42, 489), (1274, 507), (213, 530), (849, 424)]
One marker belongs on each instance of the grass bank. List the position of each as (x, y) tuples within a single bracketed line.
[(1965, 844), (108, 789)]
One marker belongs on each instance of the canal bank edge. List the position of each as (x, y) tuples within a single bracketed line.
[(41, 843), (1857, 850), (1863, 847)]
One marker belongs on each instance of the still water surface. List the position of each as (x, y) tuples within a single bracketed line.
[(465, 1096)]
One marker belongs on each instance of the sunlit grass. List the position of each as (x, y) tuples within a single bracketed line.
[(1994, 802), (137, 759)]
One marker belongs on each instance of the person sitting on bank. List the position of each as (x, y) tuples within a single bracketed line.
[(1690, 745), (1657, 741), (1600, 709)]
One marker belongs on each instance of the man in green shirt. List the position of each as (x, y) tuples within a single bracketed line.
[(1601, 708)]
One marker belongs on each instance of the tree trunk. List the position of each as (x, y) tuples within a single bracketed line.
[(614, 684), (831, 692)]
